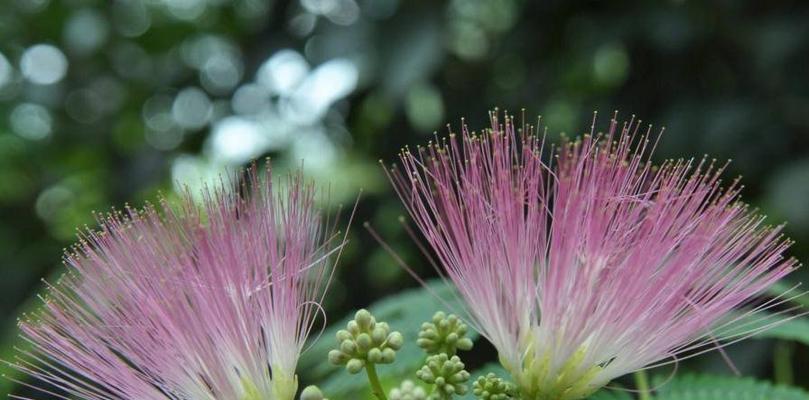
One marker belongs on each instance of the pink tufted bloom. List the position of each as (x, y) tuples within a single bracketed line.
[(595, 265), (190, 302)]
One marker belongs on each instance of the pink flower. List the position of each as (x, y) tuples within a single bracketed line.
[(595, 265), (210, 301)]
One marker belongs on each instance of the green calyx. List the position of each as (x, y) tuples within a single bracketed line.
[(408, 391), (365, 341), (447, 374), (284, 386), (444, 334), (573, 381), (251, 392)]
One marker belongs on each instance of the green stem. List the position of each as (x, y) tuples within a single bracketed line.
[(782, 363), (642, 385), (373, 378)]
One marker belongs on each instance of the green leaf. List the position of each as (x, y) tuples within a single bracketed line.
[(796, 329), (779, 288), (707, 387), (611, 394), (404, 312)]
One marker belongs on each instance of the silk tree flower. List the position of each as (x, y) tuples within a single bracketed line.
[(594, 264), (188, 302)]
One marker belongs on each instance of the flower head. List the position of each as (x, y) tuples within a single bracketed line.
[(592, 266), (190, 302)]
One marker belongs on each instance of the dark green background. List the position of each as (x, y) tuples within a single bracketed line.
[(726, 78)]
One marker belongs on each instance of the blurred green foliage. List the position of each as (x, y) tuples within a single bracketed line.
[(706, 387), (108, 102)]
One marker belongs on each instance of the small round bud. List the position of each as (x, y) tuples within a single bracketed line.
[(364, 319), (374, 355), (337, 357), (438, 317), (312, 393), (364, 341), (388, 356), (464, 344), (348, 346), (378, 335), (343, 334), (395, 340), (355, 365)]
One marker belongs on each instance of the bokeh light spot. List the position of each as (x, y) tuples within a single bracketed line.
[(86, 31), (424, 107), (221, 73), (157, 113), (43, 64), (236, 140), (6, 71), (328, 83), (131, 18), (192, 108), (31, 121), (52, 200), (611, 64), (282, 72)]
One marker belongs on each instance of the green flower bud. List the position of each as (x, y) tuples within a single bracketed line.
[(337, 357), (388, 356), (490, 387), (408, 391), (348, 346), (374, 355), (378, 335), (312, 393), (343, 334), (464, 344), (444, 334), (446, 373), (355, 365), (364, 319), (364, 342), (395, 340), (353, 328)]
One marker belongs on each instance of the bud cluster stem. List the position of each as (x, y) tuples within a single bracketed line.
[(373, 379)]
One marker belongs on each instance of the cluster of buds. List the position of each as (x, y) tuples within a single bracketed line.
[(444, 334), (490, 387), (408, 391), (365, 341), (446, 373)]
